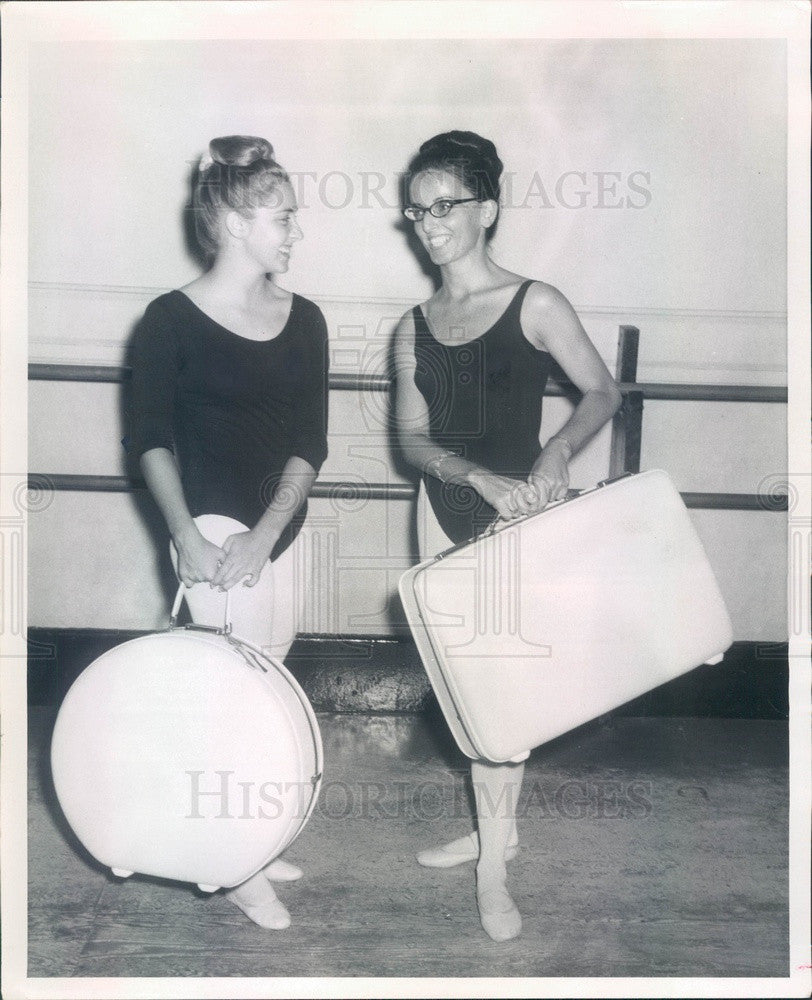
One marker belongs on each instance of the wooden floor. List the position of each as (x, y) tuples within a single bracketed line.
[(650, 847)]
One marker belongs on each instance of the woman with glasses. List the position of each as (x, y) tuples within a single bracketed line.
[(229, 412), (471, 364)]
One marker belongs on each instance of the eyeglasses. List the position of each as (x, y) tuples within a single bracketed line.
[(440, 208)]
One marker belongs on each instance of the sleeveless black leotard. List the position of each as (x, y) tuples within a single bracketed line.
[(484, 400)]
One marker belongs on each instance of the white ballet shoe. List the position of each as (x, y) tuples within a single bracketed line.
[(457, 852), (268, 912), (280, 870), (498, 914)]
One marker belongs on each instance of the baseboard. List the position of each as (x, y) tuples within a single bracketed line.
[(384, 674), (338, 673)]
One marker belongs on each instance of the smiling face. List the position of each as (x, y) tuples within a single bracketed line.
[(461, 231), (273, 230)]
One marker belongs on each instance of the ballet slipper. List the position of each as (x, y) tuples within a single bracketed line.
[(498, 914), (261, 906), (457, 852), (282, 871)]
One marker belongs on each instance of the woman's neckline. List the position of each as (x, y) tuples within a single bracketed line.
[(496, 322), (232, 333)]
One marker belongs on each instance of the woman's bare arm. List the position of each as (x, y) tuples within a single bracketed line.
[(508, 497), (248, 551), (197, 558), (553, 325)]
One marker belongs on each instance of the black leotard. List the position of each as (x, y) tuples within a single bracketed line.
[(233, 410), (484, 399)]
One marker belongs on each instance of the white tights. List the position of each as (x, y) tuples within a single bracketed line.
[(265, 614), (496, 786)]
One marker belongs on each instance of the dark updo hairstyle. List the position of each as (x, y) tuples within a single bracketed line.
[(470, 158), (239, 174)]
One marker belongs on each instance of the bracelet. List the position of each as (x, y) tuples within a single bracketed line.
[(557, 438), (437, 463)]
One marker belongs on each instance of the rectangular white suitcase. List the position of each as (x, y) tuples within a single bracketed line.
[(557, 618)]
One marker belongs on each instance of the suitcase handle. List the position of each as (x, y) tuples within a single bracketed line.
[(613, 479), (497, 523), (173, 615)]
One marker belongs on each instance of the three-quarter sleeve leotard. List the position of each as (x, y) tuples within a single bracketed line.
[(231, 409)]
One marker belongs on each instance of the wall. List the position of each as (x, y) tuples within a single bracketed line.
[(645, 179)]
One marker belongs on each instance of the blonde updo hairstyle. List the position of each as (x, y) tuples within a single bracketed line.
[(239, 174)]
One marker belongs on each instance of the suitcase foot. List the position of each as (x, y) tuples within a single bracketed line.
[(121, 872), (204, 887)]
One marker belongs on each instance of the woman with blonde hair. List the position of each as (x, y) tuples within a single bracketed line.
[(229, 408)]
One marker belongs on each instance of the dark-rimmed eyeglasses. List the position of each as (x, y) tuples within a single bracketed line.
[(438, 209)]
